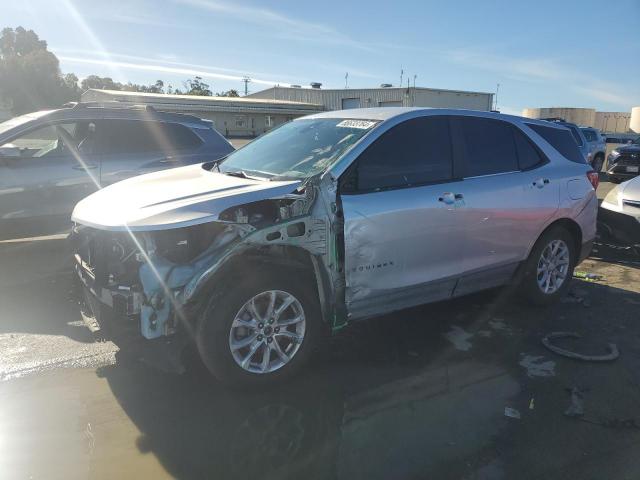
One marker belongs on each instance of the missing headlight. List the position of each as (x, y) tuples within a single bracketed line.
[(182, 245)]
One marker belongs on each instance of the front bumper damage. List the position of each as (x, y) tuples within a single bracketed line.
[(157, 282)]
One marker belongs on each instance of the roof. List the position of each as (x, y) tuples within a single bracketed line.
[(163, 97), (380, 113), (387, 113)]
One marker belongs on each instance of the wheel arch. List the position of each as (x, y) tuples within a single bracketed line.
[(570, 226), (266, 260)]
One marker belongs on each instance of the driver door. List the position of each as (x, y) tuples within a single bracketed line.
[(402, 231), (42, 177)]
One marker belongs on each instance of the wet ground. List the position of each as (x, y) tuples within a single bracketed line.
[(419, 394)]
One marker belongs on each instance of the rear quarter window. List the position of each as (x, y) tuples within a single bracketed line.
[(181, 137), (562, 140), (576, 134)]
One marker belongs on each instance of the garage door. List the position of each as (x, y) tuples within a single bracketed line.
[(350, 103)]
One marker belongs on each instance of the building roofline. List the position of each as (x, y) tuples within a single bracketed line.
[(195, 99), (372, 88)]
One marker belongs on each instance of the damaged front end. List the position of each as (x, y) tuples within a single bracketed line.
[(160, 279)]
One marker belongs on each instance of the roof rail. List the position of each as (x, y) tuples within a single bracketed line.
[(109, 104), (554, 119)]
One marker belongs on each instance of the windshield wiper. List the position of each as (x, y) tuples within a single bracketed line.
[(243, 174)]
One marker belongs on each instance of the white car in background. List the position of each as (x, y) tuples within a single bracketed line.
[(619, 214)]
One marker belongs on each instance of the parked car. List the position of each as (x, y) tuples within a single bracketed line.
[(596, 146), (623, 162), (578, 136), (332, 218), (50, 160), (619, 215)]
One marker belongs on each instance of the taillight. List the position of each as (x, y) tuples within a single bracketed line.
[(594, 178)]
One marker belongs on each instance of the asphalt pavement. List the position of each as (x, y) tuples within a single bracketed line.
[(455, 390)]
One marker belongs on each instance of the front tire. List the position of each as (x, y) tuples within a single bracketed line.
[(261, 331), (549, 268)]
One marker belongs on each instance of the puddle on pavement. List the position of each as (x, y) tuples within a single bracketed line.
[(132, 422)]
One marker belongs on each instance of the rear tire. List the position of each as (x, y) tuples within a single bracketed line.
[(239, 316), (549, 268)]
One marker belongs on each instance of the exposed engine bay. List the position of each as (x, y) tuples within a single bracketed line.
[(162, 276)]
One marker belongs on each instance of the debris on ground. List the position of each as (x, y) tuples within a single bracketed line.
[(573, 297), (576, 408), (532, 404), (537, 367), (498, 324), (512, 413), (590, 277), (612, 347), (459, 338)]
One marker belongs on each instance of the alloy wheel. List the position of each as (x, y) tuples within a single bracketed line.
[(553, 266), (267, 331)]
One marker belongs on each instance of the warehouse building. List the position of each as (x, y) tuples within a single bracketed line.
[(609, 122), (257, 113), (385, 96), (231, 116)]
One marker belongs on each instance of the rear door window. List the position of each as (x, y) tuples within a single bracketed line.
[(138, 137), (415, 152), (489, 146), (560, 139), (590, 135)]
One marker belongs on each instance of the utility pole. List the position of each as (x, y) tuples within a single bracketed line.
[(414, 80), (246, 80), (401, 76), (496, 99), (346, 80)]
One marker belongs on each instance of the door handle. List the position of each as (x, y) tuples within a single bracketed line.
[(450, 198), (540, 182), (85, 167)]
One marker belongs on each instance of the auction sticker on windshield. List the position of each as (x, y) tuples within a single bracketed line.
[(363, 124)]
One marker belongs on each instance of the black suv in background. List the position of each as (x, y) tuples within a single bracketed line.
[(623, 162), (50, 160)]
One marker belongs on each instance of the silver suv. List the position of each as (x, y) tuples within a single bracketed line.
[(49, 160), (333, 218), (596, 145)]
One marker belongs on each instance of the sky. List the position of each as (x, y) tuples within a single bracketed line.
[(542, 53)]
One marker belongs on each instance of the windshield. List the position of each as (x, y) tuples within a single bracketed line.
[(298, 149)]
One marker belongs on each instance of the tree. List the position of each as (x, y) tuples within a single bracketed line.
[(229, 93), (196, 86), (100, 83), (30, 76)]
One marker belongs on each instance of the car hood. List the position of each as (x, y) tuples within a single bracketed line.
[(173, 198), (631, 189), (632, 148)]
